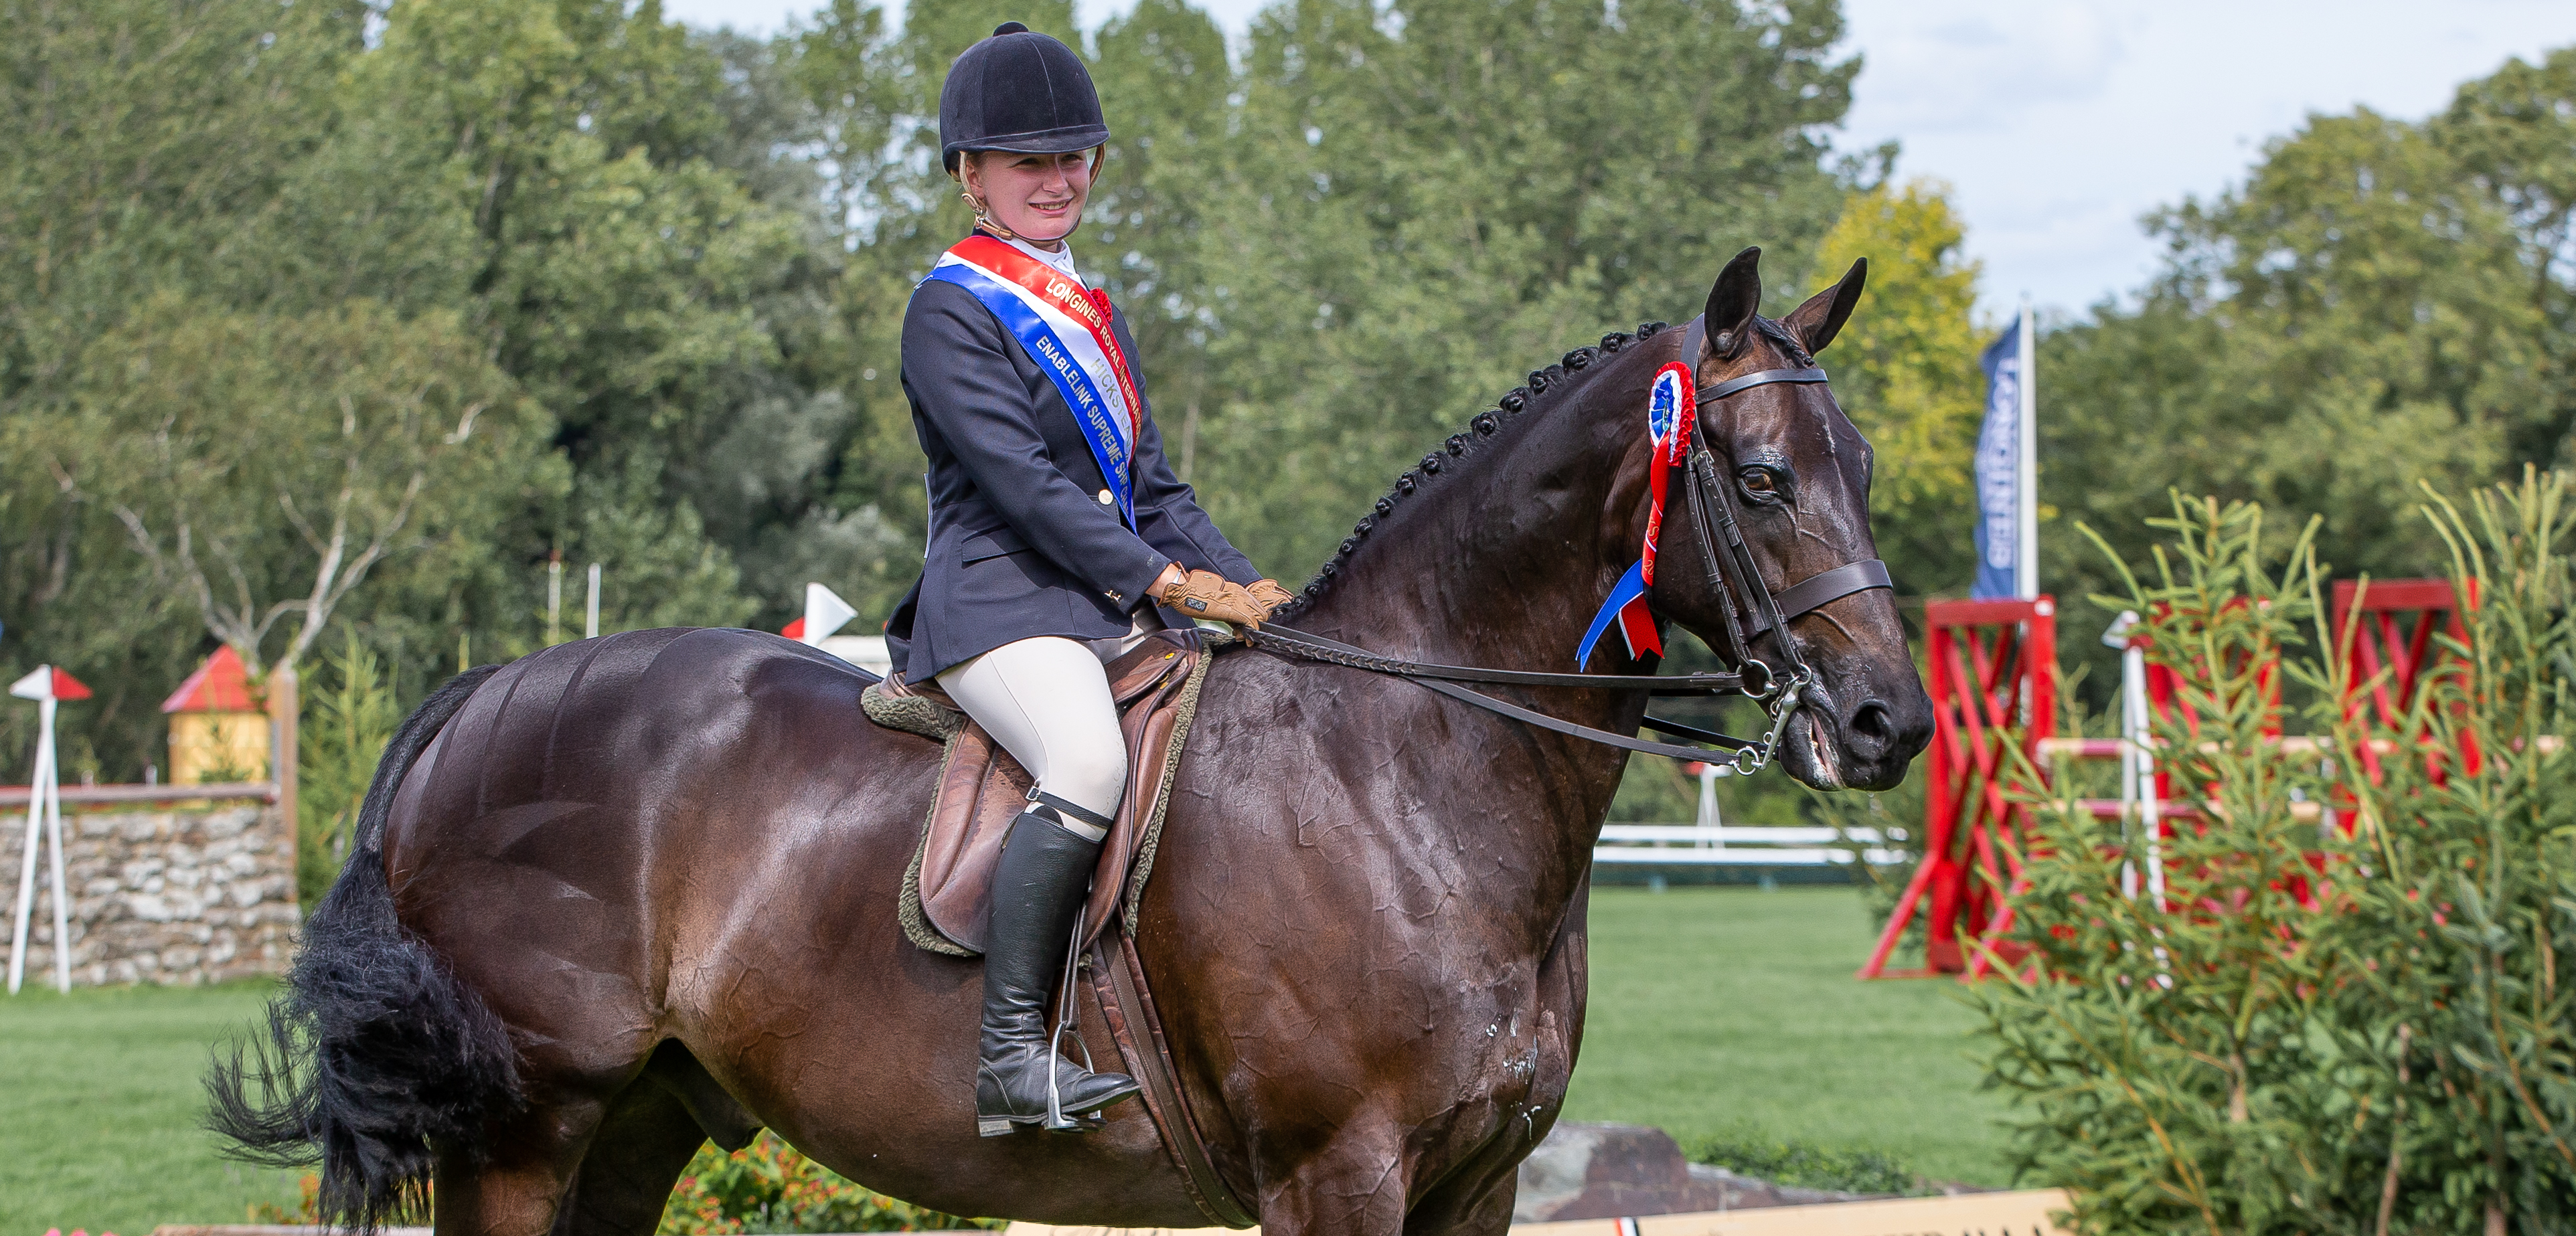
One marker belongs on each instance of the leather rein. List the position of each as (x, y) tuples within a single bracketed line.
[(1779, 691)]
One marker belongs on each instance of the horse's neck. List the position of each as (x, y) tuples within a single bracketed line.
[(1501, 562)]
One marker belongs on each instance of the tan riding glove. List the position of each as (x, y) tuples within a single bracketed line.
[(1206, 594), (1270, 594)]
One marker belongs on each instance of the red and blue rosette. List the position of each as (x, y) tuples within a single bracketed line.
[(1671, 408)]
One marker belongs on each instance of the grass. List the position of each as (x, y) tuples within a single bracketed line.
[(1714, 1012), (1734, 1012), (99, 1105)]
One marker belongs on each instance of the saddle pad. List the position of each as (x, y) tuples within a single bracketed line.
[(946, 904)]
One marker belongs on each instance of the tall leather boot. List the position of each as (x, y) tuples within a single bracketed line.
[(1038, 893)]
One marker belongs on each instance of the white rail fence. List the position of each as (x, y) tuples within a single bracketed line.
[(1719, 845)]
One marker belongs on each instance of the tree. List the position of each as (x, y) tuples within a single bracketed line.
[(2515, 134), (1905, 370), (2371, 309), (268, 465)]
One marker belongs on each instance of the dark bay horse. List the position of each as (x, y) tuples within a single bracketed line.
[(625, 895)]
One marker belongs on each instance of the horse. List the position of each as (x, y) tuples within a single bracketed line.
[(626, 895)]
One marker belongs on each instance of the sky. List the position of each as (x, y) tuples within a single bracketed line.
[(2059, 123)]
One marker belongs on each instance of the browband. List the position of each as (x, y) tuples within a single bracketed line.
[(1697, 328), (1764, 378)]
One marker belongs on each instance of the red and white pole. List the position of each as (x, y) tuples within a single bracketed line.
[(47, 686)]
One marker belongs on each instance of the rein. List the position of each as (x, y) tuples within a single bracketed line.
[(1779, 692)]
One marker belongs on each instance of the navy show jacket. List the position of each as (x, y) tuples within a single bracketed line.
[(1021, 543)]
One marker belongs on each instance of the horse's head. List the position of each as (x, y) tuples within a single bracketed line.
[(1795, 473)]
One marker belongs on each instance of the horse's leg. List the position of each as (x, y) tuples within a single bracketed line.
[(1354, 1186), (626, 1175), (519, 1183), (1475, 1200)]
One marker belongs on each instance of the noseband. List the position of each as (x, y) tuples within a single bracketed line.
[(1780, 692)]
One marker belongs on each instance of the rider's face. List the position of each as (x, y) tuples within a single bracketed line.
[(1038, 197)]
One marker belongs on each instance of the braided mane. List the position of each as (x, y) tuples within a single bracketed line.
[(1481, 426)]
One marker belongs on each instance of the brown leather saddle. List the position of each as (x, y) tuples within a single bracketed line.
[(947, 893)]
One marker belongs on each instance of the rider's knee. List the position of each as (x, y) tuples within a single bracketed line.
[(1090, 770)]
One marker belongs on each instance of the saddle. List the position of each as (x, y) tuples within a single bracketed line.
[(946, 905)]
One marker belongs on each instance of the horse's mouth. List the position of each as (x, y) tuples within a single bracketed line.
[(1812, 755)]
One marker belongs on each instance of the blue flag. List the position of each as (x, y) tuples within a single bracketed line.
[(1998, 471)]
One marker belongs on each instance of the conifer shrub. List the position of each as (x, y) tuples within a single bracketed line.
[(2329, 1000)]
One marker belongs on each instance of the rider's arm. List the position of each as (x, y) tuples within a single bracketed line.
[(960, 376)]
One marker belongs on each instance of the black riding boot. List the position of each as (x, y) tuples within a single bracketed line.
[(1038, 892)]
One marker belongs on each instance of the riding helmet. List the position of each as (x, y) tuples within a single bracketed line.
[(1019, 91)]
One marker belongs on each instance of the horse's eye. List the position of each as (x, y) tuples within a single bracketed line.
[(1759, 484)]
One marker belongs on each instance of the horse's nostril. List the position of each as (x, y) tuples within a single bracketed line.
[(1872, 722)]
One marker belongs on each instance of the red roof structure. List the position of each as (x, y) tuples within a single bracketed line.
[(219, 685)]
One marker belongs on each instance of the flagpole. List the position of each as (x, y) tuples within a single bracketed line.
[(2026, 463)]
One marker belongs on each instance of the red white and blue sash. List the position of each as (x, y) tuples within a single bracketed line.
[(1064, 327), (1671, 407)]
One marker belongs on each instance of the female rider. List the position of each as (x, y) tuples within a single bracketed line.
[(1056, 524)]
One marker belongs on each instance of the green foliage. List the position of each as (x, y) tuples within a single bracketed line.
[(768, 1187), (2465, 917), (264, 465), (2351, 1024), (673, 265), (342, 737), (1905, 370), (1806, 1165), (2163, 1041)]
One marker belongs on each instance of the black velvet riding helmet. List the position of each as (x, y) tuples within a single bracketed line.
[(1019, 91)]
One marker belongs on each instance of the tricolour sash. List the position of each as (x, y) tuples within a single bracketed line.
[(1066, 331), (1671, 406)]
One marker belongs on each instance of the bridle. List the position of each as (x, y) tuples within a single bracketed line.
[(1750, 609)]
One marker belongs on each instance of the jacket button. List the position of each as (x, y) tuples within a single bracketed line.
[(1107, 498)]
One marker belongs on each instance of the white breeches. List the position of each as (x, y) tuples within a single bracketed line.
[(1046, 700)]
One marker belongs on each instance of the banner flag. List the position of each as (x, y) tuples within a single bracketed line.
[(1999, 472)]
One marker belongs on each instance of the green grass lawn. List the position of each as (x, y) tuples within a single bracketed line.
[(1713, 1011), (99, 1105), (1733, 1010)]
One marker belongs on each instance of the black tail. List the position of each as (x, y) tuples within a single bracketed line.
[(375, 1053)]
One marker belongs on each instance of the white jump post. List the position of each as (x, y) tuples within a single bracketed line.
[(1708, 815), (47, 686), (2138, 800)]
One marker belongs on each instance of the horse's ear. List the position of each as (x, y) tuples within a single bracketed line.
[(1821, 318), (1731, 304)]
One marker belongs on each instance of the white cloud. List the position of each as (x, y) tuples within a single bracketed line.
[(2060, 124), (1943, 71)]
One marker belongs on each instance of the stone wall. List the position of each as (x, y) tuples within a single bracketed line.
[(199, 893)]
